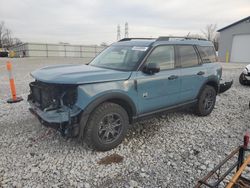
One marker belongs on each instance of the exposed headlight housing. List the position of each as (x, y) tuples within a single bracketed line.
[(70, 96), (52, 96)]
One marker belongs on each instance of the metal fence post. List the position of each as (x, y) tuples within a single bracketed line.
[(65, 51), (47, 53), (80, 51), (95, 50)]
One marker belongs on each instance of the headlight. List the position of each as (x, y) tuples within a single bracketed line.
[(245, 71)]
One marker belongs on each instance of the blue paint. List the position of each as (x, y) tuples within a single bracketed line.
[(148, 92)]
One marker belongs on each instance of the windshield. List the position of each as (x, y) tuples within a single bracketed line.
[(119, 57)]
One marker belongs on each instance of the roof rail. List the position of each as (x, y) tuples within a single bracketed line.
[(128, 39), (166, 38)]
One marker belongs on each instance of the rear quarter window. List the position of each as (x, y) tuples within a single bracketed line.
[(207, 54)]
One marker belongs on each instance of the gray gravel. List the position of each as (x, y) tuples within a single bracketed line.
[(172, 150)]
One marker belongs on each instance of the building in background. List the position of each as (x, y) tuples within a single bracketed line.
[(234, 42), (56, 50)]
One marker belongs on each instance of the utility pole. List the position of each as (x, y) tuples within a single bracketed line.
[(118, 32), (126, 30)]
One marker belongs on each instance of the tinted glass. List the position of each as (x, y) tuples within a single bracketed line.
[(188, 56), (162, 55), (207, 54), (119, 57)]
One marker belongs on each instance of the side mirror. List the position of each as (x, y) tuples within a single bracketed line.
[(151, 68)]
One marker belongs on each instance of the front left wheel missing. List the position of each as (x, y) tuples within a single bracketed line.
[(107, 126)]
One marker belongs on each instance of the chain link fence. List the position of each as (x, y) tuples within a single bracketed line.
[(56, 50)]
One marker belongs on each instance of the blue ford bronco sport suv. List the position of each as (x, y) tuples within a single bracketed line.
[(131, 79)]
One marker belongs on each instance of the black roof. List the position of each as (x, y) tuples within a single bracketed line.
[(235, 23)]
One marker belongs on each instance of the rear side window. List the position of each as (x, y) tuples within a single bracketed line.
[(162, 55), (207, 54), (187, 56)]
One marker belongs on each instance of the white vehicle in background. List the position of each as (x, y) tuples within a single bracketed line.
[(244, 78)]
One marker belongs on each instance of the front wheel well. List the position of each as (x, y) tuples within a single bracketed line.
[(125, 105), (214, 85)]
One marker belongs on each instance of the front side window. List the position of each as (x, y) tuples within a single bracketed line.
[(162, 55), (188, 56), (207, 54), (119, 57)]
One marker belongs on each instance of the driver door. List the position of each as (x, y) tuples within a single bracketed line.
[(162, 89)]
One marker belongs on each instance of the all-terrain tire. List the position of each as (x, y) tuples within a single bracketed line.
[(94, 136), (206, 101)]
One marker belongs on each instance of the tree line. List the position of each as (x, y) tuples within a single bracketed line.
[(210, 33), (6, 38)]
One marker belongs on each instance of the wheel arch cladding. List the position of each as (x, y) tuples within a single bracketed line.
[(210, 82), (214, 84), (126, 105), (118, 98)]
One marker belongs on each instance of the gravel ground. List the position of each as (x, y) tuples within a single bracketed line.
[(172, 150)]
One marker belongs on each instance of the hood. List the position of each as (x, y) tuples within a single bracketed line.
[(78, 74)]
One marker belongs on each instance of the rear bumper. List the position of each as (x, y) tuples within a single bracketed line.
[(225, 85)]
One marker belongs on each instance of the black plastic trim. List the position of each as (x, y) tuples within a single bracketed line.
[(168, 109), (206, 83), (87, 111)]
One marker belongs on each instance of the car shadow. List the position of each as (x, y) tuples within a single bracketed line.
[(149, 127)]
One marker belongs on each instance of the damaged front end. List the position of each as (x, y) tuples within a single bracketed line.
[(54, 105)]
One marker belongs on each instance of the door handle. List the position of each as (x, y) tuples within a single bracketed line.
[(200, 73), (172, 77)]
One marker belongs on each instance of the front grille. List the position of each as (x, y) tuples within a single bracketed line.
[(48, 95)]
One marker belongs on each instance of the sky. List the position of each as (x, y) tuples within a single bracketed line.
[(95, 21)]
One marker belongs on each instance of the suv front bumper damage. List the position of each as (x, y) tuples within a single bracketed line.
[(63, 119), (57, 116), (225, 85), (54, 106)]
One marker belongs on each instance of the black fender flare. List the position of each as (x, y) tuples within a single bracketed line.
[(215, 83), (106, 97)]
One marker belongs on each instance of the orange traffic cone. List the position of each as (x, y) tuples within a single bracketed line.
[(14, 98)]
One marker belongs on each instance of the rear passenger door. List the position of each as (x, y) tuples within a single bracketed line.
[(192, 72)]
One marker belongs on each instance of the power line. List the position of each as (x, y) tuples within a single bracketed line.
[(118, 32), (126, 30)]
